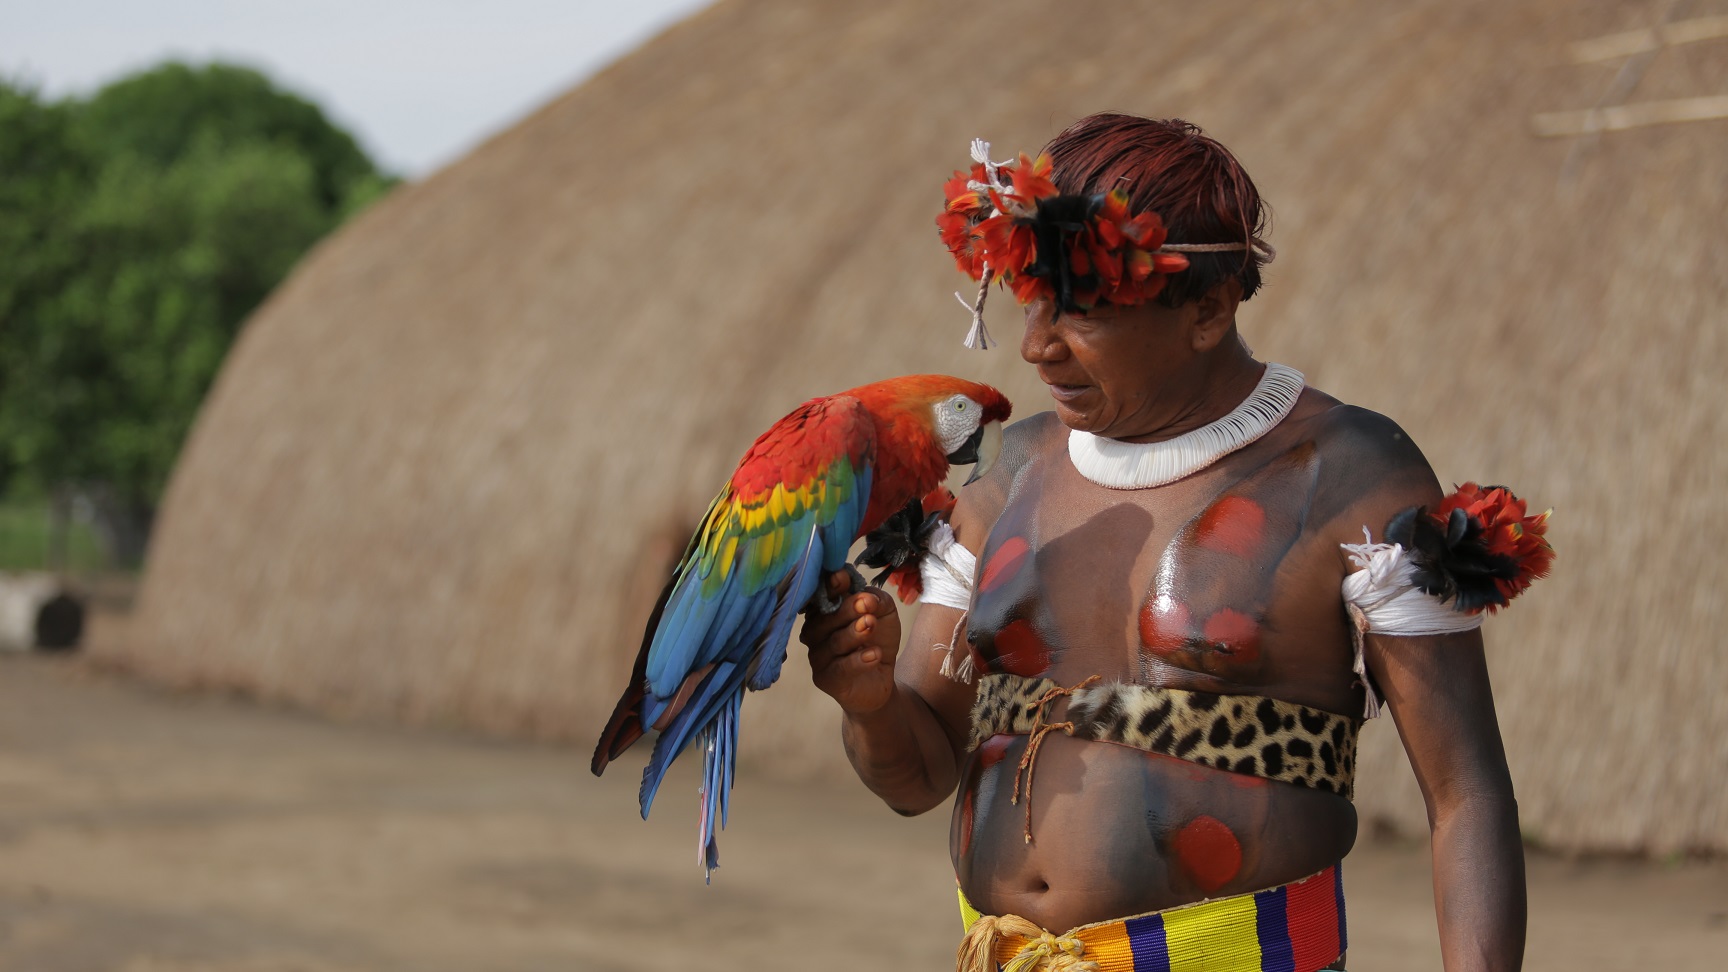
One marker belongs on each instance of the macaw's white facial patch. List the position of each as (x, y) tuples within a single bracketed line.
[(957, 417)]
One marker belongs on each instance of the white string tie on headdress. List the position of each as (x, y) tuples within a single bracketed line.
[(978, 336), (992, 170)]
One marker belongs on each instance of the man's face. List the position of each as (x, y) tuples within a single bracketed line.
[(1117, 372)]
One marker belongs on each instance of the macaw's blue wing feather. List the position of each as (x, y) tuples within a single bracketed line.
[(789, 513)]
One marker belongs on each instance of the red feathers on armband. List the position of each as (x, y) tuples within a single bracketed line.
[(1479, 548)]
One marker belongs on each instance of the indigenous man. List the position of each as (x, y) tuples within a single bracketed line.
[(1168, 679)]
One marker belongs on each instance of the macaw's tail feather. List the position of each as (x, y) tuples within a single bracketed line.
[(719, 765), (622, 730), (723, 686), (626, 726)]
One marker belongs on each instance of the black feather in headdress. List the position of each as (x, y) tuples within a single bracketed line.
[(1058, 220)]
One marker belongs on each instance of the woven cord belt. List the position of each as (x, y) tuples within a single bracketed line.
[(1246, 734)]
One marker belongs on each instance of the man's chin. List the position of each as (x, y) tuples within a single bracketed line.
[(1080, 420)]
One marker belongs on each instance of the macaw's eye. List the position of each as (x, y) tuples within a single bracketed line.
[(959, 406)]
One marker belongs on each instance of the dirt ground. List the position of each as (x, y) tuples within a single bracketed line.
[(149, 832)]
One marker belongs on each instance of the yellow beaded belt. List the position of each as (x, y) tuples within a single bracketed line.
[(1298, 927)]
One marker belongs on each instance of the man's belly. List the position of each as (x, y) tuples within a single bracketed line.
[(1118, 832)]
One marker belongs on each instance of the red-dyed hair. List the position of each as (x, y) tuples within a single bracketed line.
[(1171, 168)]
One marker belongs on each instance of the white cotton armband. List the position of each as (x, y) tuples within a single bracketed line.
[(1383, 598), (946, 570)]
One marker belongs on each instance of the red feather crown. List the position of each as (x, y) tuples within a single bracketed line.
[(1076, 250)]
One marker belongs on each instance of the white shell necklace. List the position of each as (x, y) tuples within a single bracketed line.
[(1141, 465)]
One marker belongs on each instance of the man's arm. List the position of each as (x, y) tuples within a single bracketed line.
[(902, 749), (1437, 690), (905, 725)]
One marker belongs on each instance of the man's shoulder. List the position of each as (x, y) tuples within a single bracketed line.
[(1022, 442), (1345, 433), (1032, 435), (1370, 467)]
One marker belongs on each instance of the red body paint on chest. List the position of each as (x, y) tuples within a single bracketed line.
[(1233, 632), (1004, 562), (1208, 852), (1234, 524), (1019, 650), (1163, 625)]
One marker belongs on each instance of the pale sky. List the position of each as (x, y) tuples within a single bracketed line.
[(418, 83)]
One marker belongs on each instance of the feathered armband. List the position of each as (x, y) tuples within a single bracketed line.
[(1438, 571)]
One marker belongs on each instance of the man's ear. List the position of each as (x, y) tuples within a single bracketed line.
[(1215, 314)]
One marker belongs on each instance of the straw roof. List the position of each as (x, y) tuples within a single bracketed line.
[(446, 467)]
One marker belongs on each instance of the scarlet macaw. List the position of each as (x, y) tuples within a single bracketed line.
[(820, 478)]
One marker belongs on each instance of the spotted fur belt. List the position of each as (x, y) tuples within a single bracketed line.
[(1239, 733)]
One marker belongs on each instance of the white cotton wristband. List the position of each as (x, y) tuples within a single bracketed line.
[(947, 570)]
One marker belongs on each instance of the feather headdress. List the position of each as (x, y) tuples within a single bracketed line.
[(1076, 250)]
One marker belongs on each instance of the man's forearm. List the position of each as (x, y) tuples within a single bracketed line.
[(1479, 885), (901, 753)]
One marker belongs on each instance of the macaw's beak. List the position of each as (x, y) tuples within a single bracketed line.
[(980, 449)]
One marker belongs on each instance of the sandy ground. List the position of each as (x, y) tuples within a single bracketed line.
[(149, 832)]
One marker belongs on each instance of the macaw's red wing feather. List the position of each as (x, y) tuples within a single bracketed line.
[(1479, 548)]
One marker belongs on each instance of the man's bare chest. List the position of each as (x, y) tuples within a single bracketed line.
[(1203, 585)]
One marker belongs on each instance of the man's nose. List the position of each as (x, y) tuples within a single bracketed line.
[(1042, 342)]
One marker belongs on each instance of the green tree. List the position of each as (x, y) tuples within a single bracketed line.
[(137, 231)]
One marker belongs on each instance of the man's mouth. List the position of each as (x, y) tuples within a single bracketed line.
[(1067, 393)]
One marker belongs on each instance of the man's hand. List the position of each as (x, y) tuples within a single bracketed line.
[(852, 650)]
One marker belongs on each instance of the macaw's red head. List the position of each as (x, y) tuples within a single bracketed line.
[(963, 419)]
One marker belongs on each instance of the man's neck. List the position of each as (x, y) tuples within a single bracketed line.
[(1229, 374)]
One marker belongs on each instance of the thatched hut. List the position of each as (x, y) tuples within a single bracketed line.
[(446, 467)]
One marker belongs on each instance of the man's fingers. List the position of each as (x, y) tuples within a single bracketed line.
[(884, 602), (839, 669), (818, 626), (873, 601), (842, 640)]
